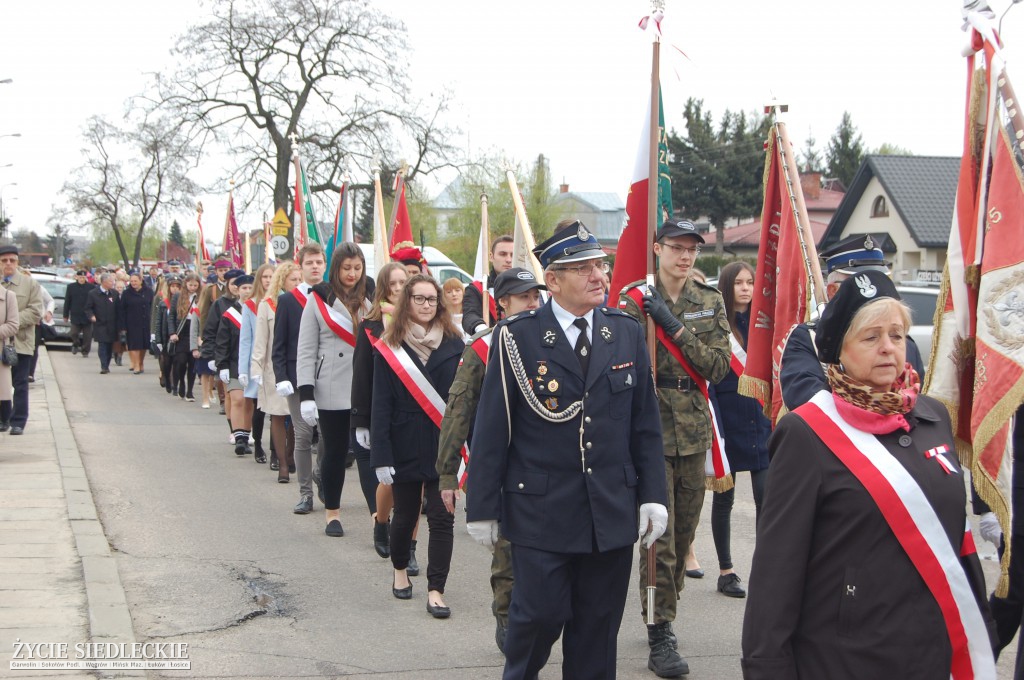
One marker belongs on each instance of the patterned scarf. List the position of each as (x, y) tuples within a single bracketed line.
[(872, 411)]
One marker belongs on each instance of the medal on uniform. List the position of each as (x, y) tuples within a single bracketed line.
[(553, 386), (542, 368), (551, 403), (583, 351)]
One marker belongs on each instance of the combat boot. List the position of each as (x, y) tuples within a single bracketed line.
[(664, 660)]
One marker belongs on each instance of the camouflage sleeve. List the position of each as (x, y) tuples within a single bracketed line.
[(706, 343), (459, 414), (629, 306)]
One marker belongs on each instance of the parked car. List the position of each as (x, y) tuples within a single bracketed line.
[(440, 265), (56, 286), (922, 301)]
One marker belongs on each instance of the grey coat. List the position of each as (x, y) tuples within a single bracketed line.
[(323, 362)]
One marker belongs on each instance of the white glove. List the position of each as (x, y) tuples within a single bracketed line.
[(285, 389), (363, 437), (385, 475), (159, 347), (656, 515), (243, 380), (225, 376), (484, 532), (309, 412), (212, 365), (479, 327), (258, 379), (152, 337), (988, 527)]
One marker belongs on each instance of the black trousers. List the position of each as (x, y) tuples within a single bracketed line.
[(440, 522), (106, 351), (721, 515), (17, 413), (334, 431), (85, 343), (184, 373), (582, 594), (367, 475)]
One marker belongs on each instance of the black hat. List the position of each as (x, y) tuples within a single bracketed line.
[(8, 249), (233, 273), (81, 272), (854, 254), (174, 263), (572, 243), (855, 292), (243, 279), (515, 281), (672, 228)]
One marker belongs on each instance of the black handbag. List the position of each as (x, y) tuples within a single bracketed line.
[(9, 355)]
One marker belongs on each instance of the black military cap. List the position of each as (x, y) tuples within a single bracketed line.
[(855, 292), (242, 280), (81, 272), (515, 281), (673, 228), (854, 254), (233, 273), (572, 243)]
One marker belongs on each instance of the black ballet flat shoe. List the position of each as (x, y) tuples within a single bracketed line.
[(439, 611), (334, 529), (402, 593), (695, 573), (261, 456), (381, 542)]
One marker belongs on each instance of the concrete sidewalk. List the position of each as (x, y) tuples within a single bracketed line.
[(58, 579)]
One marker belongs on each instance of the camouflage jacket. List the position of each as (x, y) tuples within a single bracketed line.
[(685, 419), (461, 410)]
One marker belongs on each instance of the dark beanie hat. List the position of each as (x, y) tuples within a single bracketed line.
[(854, 293)]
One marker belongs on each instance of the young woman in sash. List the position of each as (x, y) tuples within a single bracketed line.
[(745, 428), (207, 297), (225, 356), (414, 367), (261, 281), (159, 331), (865, 566), (183, 311), (323, 367), (390, 281), (261, 371)]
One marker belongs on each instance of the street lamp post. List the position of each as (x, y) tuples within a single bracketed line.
[(3, 217), (13, 134)]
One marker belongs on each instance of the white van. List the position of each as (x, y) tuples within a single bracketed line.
[(440, 265)]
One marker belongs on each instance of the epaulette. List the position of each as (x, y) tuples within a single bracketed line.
[(706, 285), (476, 336), (612, 311), (635, 284), (520, 316)]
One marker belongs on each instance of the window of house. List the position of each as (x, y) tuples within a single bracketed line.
[(880, 208)]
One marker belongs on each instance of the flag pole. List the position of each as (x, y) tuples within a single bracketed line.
[(485, 228), (199, 245), (796, 201), (524, 220), (652, 227)]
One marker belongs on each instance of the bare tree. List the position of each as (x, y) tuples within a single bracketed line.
[(129, 176), (329, 72)]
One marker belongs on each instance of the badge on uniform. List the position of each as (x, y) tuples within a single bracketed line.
[(542, 368), (553, 386), (550, 338), (937, 454), (606, 333), (551, 403)]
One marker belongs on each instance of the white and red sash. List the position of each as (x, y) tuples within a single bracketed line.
[(716, 464), (738, 360), (272, 303), (234, 316), (340, 323), (299, 295), (913, 521), (251, 304), (490, 301), (482, 347), (420, 387)]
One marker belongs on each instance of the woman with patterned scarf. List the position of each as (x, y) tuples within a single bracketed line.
[(865, 566)]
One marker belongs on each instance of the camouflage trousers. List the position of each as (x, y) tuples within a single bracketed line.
[(501, 579), (685, 477)]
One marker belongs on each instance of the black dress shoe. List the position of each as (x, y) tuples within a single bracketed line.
[(500, 630), (17, 430), (414, 567), (402, 593), (304, 506), (381, 542), (4, 426), (438, 611), (240, 448), (104, 371), (334, 529), (729, 585), (274, 464), (695, 573), (291, 468)]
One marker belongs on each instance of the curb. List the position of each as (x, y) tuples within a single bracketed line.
[(109, 618)]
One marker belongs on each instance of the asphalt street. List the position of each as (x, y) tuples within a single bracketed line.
[(210, 554)]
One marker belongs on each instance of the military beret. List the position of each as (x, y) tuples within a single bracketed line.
[(854, 293), (243, 280), (233, 274)]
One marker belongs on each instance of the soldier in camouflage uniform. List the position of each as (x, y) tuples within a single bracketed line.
[(516, 290), (693, 315)]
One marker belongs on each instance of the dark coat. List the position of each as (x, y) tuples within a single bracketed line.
[(402, 435), (744, 426), (548, 492), (174, 322), (103, 305), (225, 351), (74, 302), (134, 316), (362, 373), (213, 321), (473, 305), (286, 336), (832, 592), (160, 321)]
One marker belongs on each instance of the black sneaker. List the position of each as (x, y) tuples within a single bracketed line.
[(729, 585)]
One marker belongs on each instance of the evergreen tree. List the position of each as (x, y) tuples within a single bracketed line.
[(812, 158), (59, 243), (175, 235), (845, 151)]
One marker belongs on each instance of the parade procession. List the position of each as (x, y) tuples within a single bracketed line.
[(547, 448)]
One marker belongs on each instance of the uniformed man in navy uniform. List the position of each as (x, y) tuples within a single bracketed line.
[(801, 375), (571, 466)]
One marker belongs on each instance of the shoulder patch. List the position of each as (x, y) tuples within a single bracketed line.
[(706, 286), (635, 284)]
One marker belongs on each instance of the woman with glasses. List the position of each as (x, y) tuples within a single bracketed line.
[(415, 364)]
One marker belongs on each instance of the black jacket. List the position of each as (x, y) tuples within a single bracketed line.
[(362, 373), (103, 306), (174, 323), (402, 435), (473, 305), (213, 319), (225, 351), (74, 302), (286, 336)]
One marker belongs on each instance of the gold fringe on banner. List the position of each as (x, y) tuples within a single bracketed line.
[(718, 485), (976, 121), (749, 386), (972, 276)]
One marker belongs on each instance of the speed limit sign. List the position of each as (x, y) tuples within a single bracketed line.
[(279, 244)]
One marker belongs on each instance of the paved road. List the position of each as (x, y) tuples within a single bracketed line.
[(210, 554)]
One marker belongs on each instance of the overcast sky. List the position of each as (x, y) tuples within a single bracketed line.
[(566, 78)]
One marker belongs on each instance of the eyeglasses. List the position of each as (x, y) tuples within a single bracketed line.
[(424, 300), (680, 250), (584, 270)]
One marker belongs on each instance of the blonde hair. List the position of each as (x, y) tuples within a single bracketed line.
[(257, 285), (281, 274), (874, 313)]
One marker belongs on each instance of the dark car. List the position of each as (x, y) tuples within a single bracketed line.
[(56, 286)]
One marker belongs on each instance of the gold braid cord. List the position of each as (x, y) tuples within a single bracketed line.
[(508, 344)]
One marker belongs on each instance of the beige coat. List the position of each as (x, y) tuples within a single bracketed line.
[(8, 328), (30, 310), (261, 362)]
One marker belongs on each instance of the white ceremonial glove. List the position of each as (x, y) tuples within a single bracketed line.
[(363, 437), (309, 412), (656, 515), (159, 347), (152, 337), (484, 532), (988, 527), (258, 379), (479, 327), (213, 365), (385, 475), (285, 389), (225, 376), (243, 380)]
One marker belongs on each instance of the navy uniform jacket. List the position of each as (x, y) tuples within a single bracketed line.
[(286, 335), (801, 375), (551, 487), (225, 349)]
